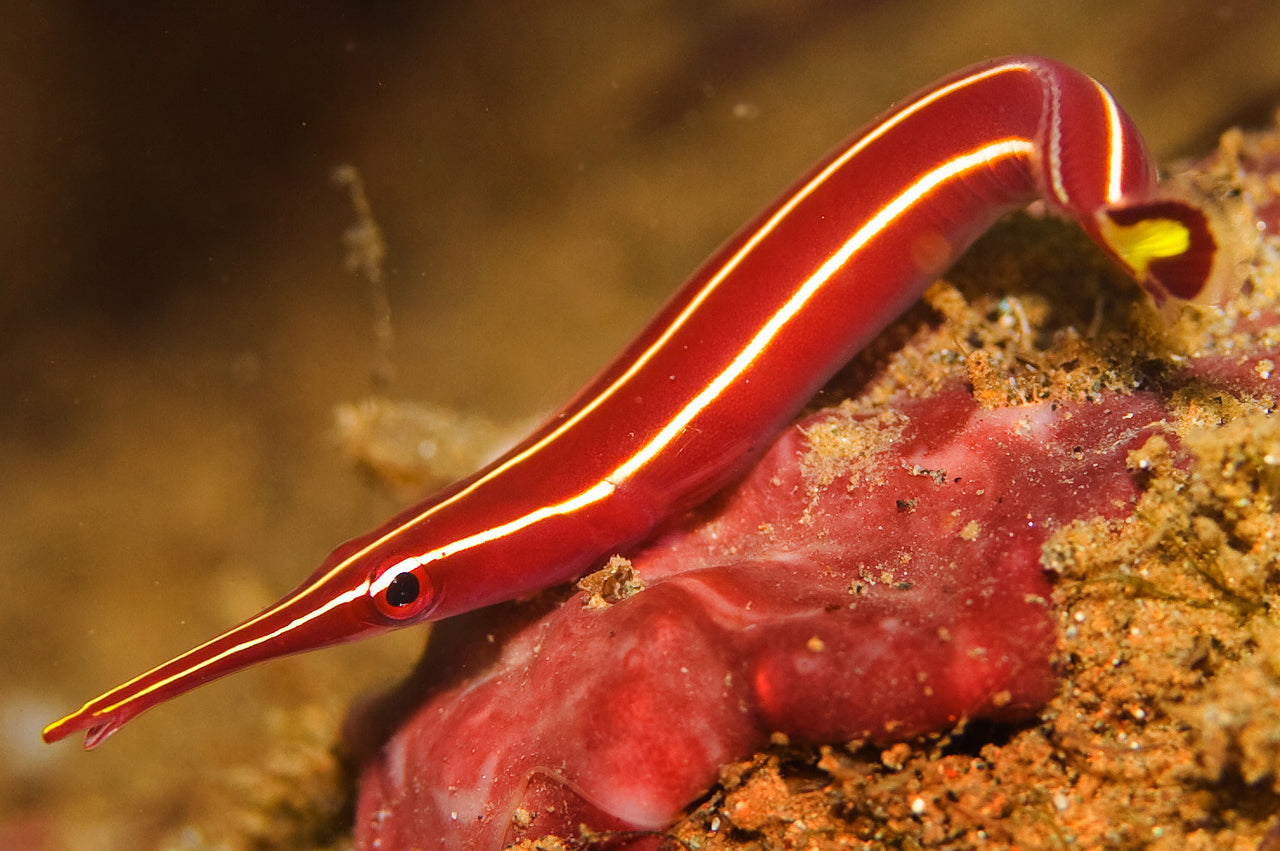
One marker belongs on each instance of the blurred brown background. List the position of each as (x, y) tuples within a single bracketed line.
[(176, 323)]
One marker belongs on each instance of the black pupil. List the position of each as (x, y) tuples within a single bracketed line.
[(403, 590)]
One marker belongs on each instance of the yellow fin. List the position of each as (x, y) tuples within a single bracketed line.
[(1144, 241)]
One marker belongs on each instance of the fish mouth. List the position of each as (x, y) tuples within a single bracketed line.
[(294, 625), (97, 728)]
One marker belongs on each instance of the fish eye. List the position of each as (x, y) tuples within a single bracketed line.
[(402, 591)]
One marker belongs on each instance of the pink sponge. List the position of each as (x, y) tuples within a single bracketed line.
[(873, 577)]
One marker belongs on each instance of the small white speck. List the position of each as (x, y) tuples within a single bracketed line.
[(917, 806)]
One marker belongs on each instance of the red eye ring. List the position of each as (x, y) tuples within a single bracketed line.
[(402, 592)]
